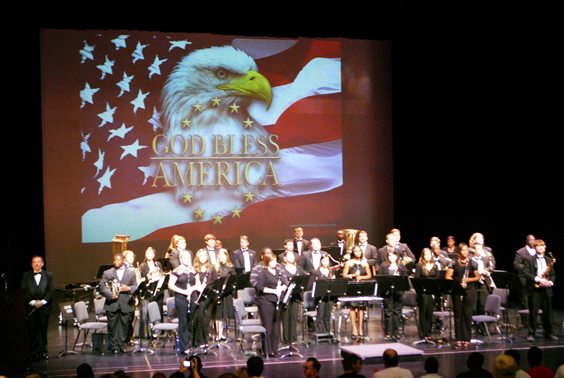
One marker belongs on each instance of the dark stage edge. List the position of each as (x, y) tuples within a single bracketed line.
[(165, 360)]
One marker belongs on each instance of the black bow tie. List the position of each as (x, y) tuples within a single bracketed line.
[(36, 273)]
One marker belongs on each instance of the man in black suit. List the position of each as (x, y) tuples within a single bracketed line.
[(403, 250), (539, 289), (440, 257), (300, 244), (522, 254), (39, 287), (244, 257), (340, 242), (369, 251), (311, 260), (118, 308)]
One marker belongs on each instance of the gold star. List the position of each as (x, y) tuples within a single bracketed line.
[(215, 101), (199, 213), (236, 212), (217, 219), (186, 123), (234, 108), (197, 107), (249, 197), (187, 198), (248, 123)]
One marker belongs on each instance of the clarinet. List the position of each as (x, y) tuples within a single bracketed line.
[(204, 282), (278, 297)]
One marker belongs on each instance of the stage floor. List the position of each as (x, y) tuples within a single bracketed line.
[(165, 360)]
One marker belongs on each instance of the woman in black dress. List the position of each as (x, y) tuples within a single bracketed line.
[(357, 269), (224, 310), (426, 268), (393, 302), (290, 314), (464, 271), (205, 274), (325, 305), (270, 287), (182, 282)]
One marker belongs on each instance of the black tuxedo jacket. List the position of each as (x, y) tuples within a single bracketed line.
[(305, 245), (216, 251), (370, 254), (530, 272), (336, 244), (122, 302), (306, 262), (521, 256), (43, 291), (238, 259)]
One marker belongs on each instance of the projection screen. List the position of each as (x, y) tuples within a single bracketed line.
[(151, 134)]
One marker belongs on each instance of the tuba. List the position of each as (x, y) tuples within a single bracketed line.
[(350, 236)]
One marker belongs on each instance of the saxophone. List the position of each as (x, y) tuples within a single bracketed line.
[(548, 268)]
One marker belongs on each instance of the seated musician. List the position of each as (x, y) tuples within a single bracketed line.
[(357, 268)]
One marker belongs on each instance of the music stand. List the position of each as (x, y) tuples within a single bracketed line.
[(222, 289), (450, 287), (327, 289), (297, 285), (392, 284), (210, 292), (425, 286), (141, 292), (67, 313), (509, 281)]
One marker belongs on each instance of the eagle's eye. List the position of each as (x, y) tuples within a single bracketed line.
[(221, 73)]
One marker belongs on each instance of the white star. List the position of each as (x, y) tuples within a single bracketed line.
[(179, 44), (139, 102), (124, 83), (155, 67), (131, 149), (120, 132), (84, 146), (120, 41), (105, 179), (106, 68), (100, 162), (156, 120), (86, 52), (138, 53), (108, 115), (87, 93)]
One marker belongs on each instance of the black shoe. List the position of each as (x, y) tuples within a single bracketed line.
[(551, 337), (531, 338)]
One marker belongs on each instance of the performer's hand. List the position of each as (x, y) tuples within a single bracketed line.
[(544, 282), (115, 296), (123, 288), (38, 304)]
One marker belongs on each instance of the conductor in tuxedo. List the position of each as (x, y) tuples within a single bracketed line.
[(539, 289), (39, 287), (311, 260), (118, 308), (244, 257)]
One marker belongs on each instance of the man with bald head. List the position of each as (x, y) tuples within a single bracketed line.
[(391, 370)]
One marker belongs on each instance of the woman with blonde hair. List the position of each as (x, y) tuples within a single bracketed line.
[(205, 274)]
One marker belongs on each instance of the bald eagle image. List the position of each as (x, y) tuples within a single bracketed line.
[(205, 98)]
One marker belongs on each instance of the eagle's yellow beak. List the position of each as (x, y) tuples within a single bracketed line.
[(252, 85)]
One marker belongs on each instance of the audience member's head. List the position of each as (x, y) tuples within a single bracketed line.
[(311, 368), (227, 375), (504, 366), (242, 372), (534, 356), (158, 374), (475, 361), (515, 354), (351, 362), (391, 358), (431, 365), (84, 371), (177, 374), (255, 365)]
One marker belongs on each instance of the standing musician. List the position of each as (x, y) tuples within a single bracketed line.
[(177, 246), (224, 311), (182, 282), (39, 288), (117, 285), (325, 305), (151, 271), (212, 247), (426, 268), (465, 271), (270, 287), (357, 268), (486, 265), (205, 274), (244, 257), (290, 314), (522, 254), (393, 302), (540, 276)]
